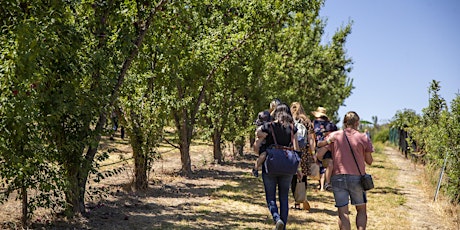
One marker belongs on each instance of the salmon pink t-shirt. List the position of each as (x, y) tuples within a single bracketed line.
[(341, 153)]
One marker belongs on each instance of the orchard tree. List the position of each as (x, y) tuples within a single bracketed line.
[(225, 113), (27, 161), (300, 68), (200, 37), (144, 116), (78, 54), (453, 141), (35, 44)]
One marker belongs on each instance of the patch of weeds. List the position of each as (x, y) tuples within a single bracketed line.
[(203, 210), (401, 200), (378, 166)]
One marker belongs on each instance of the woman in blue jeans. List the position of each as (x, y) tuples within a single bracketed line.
[(284, 130)]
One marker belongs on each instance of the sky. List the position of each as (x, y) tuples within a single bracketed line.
[(397, 47)]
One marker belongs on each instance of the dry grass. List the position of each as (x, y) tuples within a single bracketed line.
[(217, 196), (386, 199), (442, 206)]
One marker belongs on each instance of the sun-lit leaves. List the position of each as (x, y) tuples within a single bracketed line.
[(436, 132), (204, 67)]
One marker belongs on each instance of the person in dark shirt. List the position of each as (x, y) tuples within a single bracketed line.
[(319, 126), (285, 134)]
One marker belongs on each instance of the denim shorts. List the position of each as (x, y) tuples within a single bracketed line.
[(347, 187)]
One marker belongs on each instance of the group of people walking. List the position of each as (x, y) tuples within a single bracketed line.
[(316, 141)]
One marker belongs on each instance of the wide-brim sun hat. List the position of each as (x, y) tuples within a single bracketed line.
[(320, 112)]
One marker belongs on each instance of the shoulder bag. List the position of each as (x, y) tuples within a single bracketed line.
[(366, 179)]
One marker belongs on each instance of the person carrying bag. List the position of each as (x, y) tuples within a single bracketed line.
[(366, 179), (281, 162), (351, 151)]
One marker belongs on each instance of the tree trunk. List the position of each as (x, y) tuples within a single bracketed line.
[(216, 139), (77, 174), (185, 159), (140, 149), (75, 192), (140, 174), (184, 146), (25, 206), (238, 146), (140, 160)]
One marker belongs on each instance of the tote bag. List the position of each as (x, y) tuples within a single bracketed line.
[(300, 193)]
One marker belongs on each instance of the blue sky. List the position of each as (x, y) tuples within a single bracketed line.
[(398, 47)]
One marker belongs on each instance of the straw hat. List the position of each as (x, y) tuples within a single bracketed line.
[(320, 112)]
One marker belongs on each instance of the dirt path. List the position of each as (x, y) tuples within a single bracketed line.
[(419, 206), (227, 196)]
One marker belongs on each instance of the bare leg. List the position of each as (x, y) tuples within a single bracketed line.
[(329, 172), (361, 217), (344, 219), (321, 182)]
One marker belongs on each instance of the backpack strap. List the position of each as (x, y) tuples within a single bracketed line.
[(273, 133)]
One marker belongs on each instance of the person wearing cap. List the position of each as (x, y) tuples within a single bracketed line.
[(319, 126)]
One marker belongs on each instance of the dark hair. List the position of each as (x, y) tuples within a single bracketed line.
[(283, 114), (331, 127), (262, 117), (324, 118)]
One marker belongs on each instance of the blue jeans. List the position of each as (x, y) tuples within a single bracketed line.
[(270, 183)]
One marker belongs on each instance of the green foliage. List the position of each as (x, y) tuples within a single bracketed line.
[(453, 150), (27, 50), (382, 135), (379, 147), (300, 68), (437, 133), (62, 65), (208, 66)]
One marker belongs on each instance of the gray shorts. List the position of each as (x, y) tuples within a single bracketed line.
[(347, 187)]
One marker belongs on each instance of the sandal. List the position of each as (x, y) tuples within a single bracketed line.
[(328, 187), (306, 206), (296, 206)]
